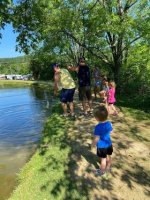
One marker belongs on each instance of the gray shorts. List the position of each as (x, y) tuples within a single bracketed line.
[(85, 93)]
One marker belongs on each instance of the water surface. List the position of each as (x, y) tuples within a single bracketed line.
[(22, 115)]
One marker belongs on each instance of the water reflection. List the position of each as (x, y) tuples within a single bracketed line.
[(23, 112)]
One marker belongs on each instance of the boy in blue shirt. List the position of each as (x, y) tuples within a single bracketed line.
[(102, 139)]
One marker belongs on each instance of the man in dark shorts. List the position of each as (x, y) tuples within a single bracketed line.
[(63, 80), (84, 82)]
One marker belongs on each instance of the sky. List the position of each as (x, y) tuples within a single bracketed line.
[(8, 43)]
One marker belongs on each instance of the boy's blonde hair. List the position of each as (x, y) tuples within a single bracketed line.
[(112, 83), (101, 113)]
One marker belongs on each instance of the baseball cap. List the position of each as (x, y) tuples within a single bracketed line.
[(55, 65)]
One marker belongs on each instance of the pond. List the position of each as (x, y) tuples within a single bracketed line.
[(22, 115)]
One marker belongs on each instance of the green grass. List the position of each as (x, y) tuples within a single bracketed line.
[(15, 83), (21, 83), (46, 176), (136, 113), (135, 102)]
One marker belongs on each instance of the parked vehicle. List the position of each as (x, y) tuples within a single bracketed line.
[(27, 77), (10, 77), (18, 77), (3, 77)]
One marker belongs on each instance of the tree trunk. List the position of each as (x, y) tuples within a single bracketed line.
[(116, 68)]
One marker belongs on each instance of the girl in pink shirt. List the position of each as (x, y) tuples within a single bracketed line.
[(111, 98)]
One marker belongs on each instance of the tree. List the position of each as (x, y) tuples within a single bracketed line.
[(105, 29), (5, 10)]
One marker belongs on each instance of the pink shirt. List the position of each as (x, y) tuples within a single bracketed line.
[(111, 95)]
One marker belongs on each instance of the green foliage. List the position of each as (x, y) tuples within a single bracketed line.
[(41, 66), (5, 13), (20, 59), (18, 65), (135, 79), (102, 30), (111, 34)]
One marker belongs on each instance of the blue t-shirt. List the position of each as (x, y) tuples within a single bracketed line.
[(103, 130)]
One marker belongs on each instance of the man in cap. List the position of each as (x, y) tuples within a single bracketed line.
[(63, 80)]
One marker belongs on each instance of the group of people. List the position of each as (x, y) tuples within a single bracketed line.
[(105, 89), (64, 80)]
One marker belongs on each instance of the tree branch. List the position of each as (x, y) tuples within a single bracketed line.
[(127, 6), (126, 47), (69, 34), (120, 9), (92, 7), (111, 43)]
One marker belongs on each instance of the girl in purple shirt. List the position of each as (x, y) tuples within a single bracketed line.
[(111, 98)]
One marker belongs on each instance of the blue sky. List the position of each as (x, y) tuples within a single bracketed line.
[(8, 43)]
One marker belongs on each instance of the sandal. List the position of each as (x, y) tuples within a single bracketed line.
[(115, 114)]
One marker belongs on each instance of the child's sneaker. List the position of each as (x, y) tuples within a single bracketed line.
[(99, 172)]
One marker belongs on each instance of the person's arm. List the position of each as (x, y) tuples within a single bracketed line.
[(110, 128), (95, 140), (56, 81), (71, 68), (96, 136)]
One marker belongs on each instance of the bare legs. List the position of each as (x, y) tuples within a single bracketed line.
[(105, 164), (95, 91), (90, 104), (64, 107), (108, 162), (111, 107), (85, 107), (71, 106)]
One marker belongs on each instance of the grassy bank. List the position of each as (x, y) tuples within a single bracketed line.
[(19, 83), (45, 175)]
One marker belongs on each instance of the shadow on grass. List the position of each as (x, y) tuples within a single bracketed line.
[(62, 154), (132, 129), (138, 175), (67, 184)]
